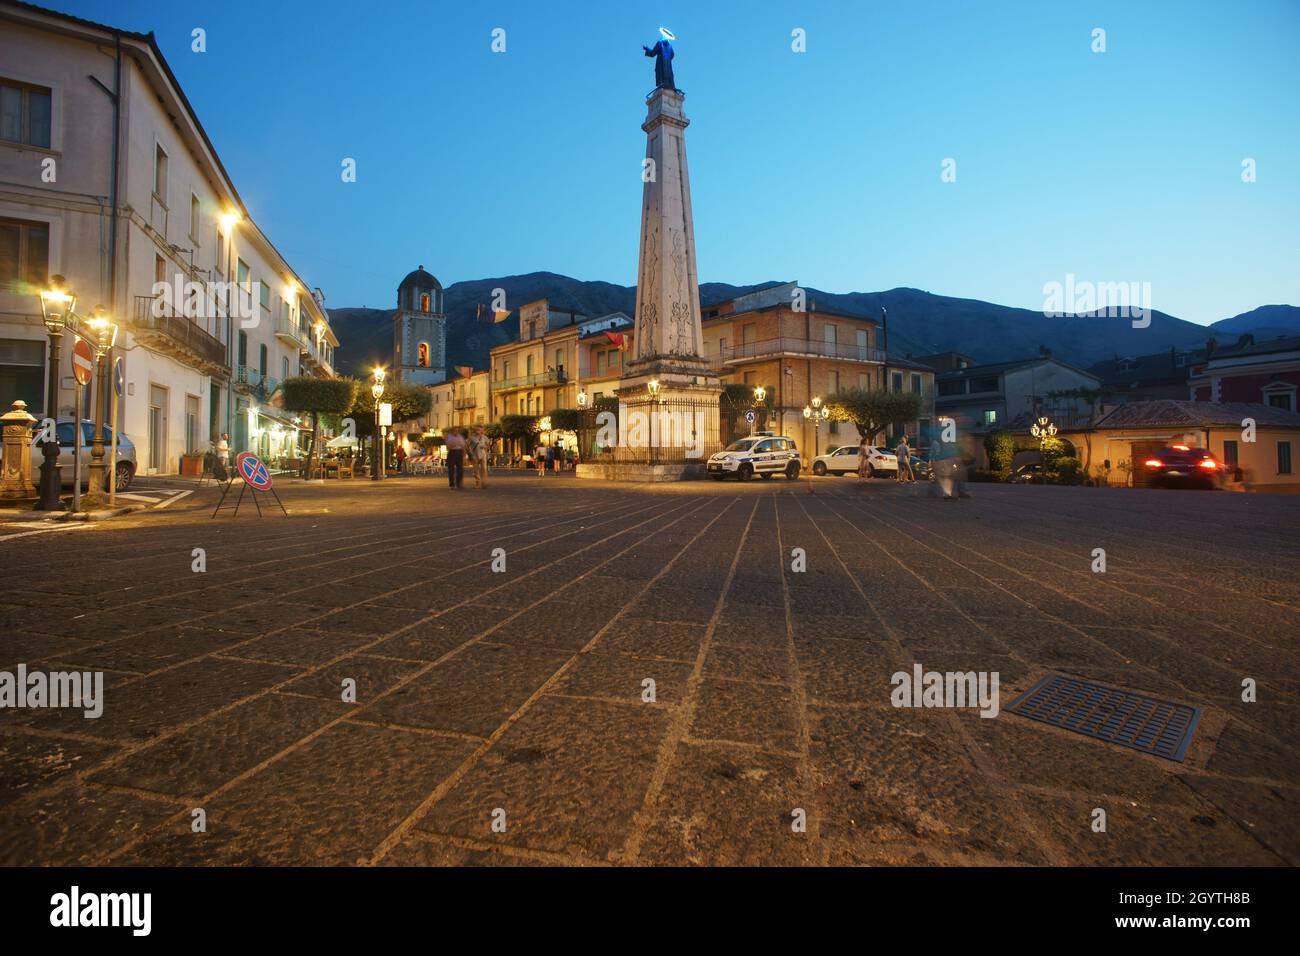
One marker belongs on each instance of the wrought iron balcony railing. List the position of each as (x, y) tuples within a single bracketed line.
[(158, 324)]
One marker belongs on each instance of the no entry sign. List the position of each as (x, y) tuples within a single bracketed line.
[(253, 471), (83, 362)]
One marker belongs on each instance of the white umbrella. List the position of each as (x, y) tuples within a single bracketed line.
[(342, 441)]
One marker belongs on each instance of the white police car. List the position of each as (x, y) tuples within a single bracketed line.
[(763, 454)]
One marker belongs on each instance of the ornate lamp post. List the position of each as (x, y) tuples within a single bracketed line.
[(377, 390), (653, 387), (1043, 429), (760, 395), (582, 397), (105, 338), (817, 413), (57, 304)]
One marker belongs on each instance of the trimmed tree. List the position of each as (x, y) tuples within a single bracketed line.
[(1001, 449), (408, 401), (317, 397), (873, 409), (518, 428)]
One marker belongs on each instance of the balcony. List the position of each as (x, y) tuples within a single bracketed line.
[(461, 403), (252, 382), (288, 331), (540, 379), (157, 325), (799, 348)]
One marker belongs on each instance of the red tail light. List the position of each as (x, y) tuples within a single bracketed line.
[(1209, 463), (1180, 448), (1154, 463)]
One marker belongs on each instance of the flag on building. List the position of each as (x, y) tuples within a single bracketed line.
[(466, 371), (619, 339)]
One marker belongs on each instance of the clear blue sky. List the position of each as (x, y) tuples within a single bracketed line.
[(822, 166)]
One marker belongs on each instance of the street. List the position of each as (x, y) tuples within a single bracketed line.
[(552, 671)]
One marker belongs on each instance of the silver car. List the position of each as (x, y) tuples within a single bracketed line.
[(126, 463)]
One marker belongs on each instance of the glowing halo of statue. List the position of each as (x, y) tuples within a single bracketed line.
[(666, 34)]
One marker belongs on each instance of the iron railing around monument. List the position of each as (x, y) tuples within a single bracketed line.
[(667, 431)]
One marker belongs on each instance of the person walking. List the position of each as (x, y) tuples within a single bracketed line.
[(455, 446), (863, 460), (539, 459), (904, 454), (553, 459), (478, 455), (223, 450), (400, 455)]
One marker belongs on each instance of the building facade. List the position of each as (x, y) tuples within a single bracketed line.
[(534, 373), (1250, 371), (981, 398), (129, 201), (798, 354)]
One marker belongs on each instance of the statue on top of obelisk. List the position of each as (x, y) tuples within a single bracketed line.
[(662, 51)]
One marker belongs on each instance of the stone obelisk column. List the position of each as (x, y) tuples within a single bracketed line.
[(667, 346)]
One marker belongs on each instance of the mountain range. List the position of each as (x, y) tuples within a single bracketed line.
[(920, 322)]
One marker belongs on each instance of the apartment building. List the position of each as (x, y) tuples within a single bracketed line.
[(1249, 371), (108, 178), (534, 373), (1000, 394), (460, 403), (798, 351)]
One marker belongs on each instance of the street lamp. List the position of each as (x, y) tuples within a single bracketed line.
[(1043, 429), (653, 387), (57, 304), (377, 390), (582, 397), (817, 413), (105, 338)]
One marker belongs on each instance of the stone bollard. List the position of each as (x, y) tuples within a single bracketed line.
[(16, 465)]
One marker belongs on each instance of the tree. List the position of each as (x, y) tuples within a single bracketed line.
[(317, 397), (518, 428), (873, 409), (1001, 448), (408, 400)]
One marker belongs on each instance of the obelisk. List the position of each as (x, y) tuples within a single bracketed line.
[(667, 368)]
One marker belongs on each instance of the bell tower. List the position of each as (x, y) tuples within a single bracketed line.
[(420, 330)]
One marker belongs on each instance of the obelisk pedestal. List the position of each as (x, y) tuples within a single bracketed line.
[(667, 378)]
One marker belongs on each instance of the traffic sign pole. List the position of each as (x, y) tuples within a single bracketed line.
[(76, 447), (112, 416), (83, 368)]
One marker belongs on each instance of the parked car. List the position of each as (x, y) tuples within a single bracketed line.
[(1181, 466), (763, 454), (1027, 474), (843, 460), (126, 461)]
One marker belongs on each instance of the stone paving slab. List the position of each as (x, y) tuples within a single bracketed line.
[(771, 738)]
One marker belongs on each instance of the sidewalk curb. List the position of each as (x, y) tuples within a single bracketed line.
[(98, 515)]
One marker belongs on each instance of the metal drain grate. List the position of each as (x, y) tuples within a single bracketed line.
[(1121, 717)]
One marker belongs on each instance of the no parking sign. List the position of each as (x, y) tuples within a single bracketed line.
[(253, 471), (256, 476)]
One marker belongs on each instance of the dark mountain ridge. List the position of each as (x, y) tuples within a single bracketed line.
[(919, 322)]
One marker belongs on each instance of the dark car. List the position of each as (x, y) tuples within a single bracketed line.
[(1181, 466), (1027, 473)]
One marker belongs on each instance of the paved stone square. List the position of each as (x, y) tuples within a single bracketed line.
[(520, 697)]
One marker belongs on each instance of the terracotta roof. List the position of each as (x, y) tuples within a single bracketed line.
[(1185, 414)]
